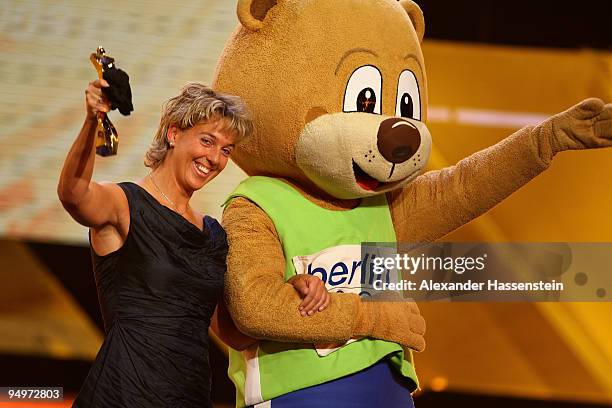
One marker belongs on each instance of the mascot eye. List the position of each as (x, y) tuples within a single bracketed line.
[(366, 100), (362, 90), (406, 106), (408, 97)]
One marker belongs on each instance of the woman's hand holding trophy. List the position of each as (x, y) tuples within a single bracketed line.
[(110, 91)]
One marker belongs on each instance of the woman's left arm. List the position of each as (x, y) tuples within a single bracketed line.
[(223, 326)]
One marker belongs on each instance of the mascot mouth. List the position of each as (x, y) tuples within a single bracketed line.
[(364, 180)]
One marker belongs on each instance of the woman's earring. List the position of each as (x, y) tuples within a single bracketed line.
[(171, 144)]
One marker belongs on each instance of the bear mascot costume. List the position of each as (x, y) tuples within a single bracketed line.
[(338, 94)]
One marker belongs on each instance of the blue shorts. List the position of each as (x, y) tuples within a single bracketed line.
[(376, 386)]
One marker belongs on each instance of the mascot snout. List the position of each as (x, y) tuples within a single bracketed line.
[(358, 154)]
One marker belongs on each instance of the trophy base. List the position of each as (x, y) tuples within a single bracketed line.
[(107, 139), (105, 151)]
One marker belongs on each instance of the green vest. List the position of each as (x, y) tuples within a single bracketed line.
[(311, 236)]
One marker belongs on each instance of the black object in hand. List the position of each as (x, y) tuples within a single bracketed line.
[(119, 92)]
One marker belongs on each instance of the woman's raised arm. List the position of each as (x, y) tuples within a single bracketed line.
[(91, 204)]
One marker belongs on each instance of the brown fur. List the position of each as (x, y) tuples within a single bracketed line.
[(285, 62)]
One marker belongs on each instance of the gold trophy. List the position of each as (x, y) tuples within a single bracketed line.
[(107, 139)]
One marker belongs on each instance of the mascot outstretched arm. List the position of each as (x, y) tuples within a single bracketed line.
[(446, 199)]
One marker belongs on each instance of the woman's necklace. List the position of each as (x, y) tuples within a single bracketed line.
[(166, 197)]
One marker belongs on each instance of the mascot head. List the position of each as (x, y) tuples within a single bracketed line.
[(337, 91)]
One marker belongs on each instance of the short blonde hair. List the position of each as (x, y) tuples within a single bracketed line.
[(197, 103)]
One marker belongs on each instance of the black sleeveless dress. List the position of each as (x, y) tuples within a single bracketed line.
[(157, 294)]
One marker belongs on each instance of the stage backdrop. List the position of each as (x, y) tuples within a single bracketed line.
[(478, 95)]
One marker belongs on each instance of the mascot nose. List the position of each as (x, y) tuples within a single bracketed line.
[(398, 140)]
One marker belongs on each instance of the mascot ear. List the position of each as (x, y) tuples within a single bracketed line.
[(251, 13), (416, 16)]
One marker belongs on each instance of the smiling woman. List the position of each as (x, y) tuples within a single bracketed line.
[(197, 132), (196, 103), (159, 263)]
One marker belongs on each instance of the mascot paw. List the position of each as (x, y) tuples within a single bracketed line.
[(399, 322), (586, 125)]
